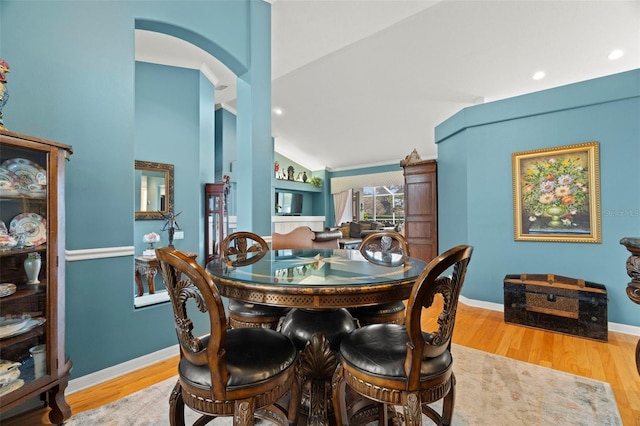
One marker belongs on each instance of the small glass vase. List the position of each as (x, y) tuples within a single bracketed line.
[(32, 266)]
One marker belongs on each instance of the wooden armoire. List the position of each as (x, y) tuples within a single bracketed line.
[(421, 207)]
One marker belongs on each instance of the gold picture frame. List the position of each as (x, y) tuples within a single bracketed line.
[(556, 194)]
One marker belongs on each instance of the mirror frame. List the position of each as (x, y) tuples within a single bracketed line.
[(168, 181)]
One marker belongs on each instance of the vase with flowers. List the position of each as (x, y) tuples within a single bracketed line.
[(150, 238), (557, 189)]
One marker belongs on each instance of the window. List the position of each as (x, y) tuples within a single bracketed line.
[(383, 203)]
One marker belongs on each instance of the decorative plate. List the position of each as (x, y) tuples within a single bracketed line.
[(9, 182), (11, 387), (7, 241), (3, 229), (9, 377), (30, 324), (7, 289), (32, 178), (33, 225), (6, 366), (11, 325)]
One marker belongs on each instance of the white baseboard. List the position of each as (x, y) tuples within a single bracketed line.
[(126, 367)]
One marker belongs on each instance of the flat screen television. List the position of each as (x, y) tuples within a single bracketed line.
[(290, 203)]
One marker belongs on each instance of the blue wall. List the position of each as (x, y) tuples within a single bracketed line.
[(475, 184), (165, 133), (226, 153), (73, 80)]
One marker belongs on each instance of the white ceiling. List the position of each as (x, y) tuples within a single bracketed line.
[(364, 82)]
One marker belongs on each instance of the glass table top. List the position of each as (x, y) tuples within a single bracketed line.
[(315, 268)]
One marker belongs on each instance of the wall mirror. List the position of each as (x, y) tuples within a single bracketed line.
[(154, 190)]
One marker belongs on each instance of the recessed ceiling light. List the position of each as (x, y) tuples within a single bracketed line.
[(538, 75), (277, 111), (616, 54)]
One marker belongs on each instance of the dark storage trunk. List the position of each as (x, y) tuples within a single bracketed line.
[(556, 303)]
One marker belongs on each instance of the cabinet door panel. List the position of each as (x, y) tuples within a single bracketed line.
[(421, 209)]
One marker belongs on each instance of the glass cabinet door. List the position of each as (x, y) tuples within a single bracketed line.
[(32, 352), (217, 220), (24, 259)]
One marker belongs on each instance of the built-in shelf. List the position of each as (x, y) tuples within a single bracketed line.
[(284, 224), (293, 185)]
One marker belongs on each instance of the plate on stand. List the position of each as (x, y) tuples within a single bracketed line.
[(33, 225), (32, 178), (28, 325), (9, 182)]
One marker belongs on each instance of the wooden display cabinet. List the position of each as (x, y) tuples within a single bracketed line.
[(421, 208), (32, 214), (216, 216)]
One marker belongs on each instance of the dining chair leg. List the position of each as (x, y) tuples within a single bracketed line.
[(338, 387), (448, 403), (176, 406), (412, 411), (243, 412), (295, 400)]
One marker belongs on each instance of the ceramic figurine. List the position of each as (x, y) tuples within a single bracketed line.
[(4, 93)]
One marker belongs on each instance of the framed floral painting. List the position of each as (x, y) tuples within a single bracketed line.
[(556, 193)]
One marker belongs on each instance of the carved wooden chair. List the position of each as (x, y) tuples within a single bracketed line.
[(393, 364), (230, 372), (383, 248), (244, 314)]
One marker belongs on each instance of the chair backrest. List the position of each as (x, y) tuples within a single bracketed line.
[(243, 242), (297, 239), (432, 282), (186, 280), (385, 247)]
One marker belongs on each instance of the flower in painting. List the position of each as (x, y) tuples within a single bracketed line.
[(562, 191), (565, 180), (546, 198), (560, 180), (547, 186)]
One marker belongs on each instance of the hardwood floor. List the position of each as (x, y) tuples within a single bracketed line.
[(612, 362)]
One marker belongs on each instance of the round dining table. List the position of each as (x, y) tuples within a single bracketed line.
[(319, 285)]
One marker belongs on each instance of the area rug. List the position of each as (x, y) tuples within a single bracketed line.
[(491, 390)]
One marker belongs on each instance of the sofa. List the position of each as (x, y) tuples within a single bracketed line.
[(359, 230), (303, 237)]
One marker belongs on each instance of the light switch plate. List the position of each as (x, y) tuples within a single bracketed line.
[(178, 235)]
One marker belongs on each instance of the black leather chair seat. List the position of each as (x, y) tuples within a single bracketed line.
[(246, 360), (383, 309), (250, 310), (300, 325), (381, 349)]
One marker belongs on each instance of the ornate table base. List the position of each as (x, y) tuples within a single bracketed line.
[(633, 288), (317, 334)]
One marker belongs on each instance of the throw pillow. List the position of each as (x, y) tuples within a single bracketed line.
[(354, 230), (365, 226), (344, 229)]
